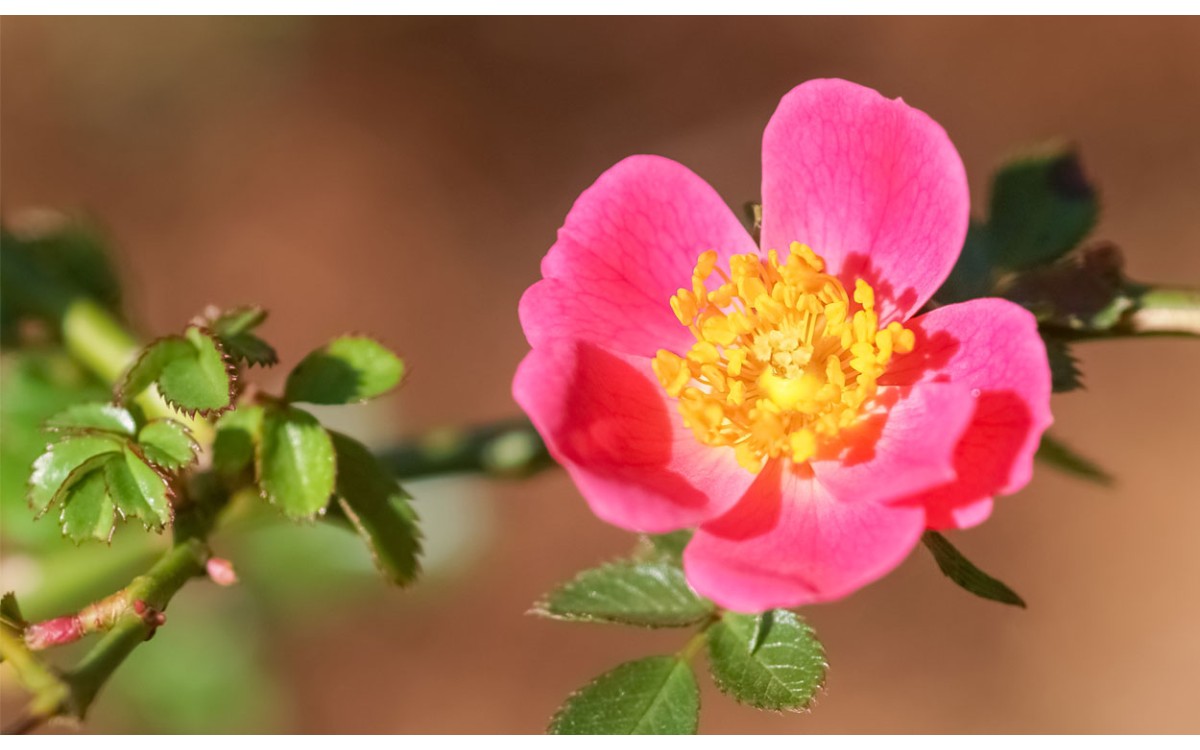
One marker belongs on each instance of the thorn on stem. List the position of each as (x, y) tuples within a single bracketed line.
[(153, 618), (221, 571)]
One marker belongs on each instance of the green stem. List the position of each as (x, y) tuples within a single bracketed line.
[(504, 449), (92, 334), (1153, 311), (182, 562), (146, 597), (1165, 310), (696, 642), (49, 691), (95, 338)]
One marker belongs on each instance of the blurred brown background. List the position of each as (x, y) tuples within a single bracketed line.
[(404, 177)]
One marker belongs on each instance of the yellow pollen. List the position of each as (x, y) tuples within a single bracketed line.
[(784, 358)]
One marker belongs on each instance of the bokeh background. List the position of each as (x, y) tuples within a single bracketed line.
[(404, 177)]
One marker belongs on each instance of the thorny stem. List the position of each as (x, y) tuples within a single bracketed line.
[(131, 616)]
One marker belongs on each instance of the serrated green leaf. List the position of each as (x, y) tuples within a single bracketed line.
[(296, 463), (138, 491), (250, 349), (378, 508), (88, 511), (657, 695), (150, 364), (1064, 369), (191, 372), (234, 328), (237, 437), (1061, 456), (99, 417), (1042, 206), (784, 671), (347, 370), (651, 594), (54, 467), (962, 571), (34, 386), (202, 382), (168, 444)]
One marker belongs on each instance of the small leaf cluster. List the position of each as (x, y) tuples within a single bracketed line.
[(300, 467), (771, 661), (109, 463)]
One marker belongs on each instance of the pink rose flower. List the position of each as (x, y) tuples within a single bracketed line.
[(783, 401)]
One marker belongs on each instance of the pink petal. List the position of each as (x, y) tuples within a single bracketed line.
[(791, 542), (871, 184), (992, 347), (605, 417), (630, 242), (906, 446)]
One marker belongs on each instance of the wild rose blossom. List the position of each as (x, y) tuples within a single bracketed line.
[(783, 400)]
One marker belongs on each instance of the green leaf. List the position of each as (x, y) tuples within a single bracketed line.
[(168, 444), (296, 464), (1064, 368), (53, 468), (192, 373), (138, 491), (346, 370), (762, 626), (88, 511), (234, 328), (963, 572), (651, 594), (150, 364), (237, 437), (378, 508), (94, 417), (1042, 206), (657, 695), (34, 386), (780, 669), (1061, 456)]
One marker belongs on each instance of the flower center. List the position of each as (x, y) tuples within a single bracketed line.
[(784, 358)]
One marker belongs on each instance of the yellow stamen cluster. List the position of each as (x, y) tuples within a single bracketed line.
[(783, 358)]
